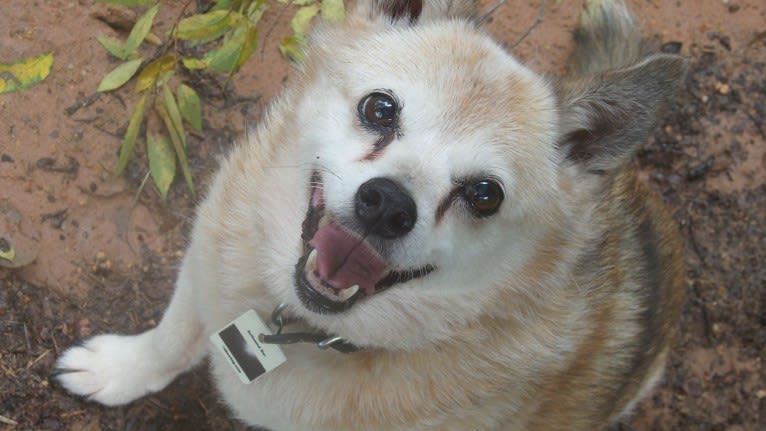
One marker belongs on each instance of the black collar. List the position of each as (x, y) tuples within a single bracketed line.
[(322, 340)]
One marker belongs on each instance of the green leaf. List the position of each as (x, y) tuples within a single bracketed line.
[(130, 3), (120, 75), (208, 57), (223, 58), (302, 19), (8, 255), (222, 4), (208, 26), (140, 30), (293, 48), (194, 63), (130, 135), (175, 113), (177, 144), (164, 77), (162, 161), (113, 45), (152, 71), (189, 103), (227, 4), (297, 2), (255, 11), (333, 10), (248, 46), (25, 73), (229, 56)]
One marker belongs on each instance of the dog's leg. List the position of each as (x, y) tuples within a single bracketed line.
[(116, 369)]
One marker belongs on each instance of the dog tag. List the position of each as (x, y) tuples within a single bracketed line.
[(247, 356)]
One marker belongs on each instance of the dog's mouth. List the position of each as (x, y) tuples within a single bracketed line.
[(339, 266)]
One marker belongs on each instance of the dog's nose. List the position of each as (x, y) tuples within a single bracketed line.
[(385, 209)]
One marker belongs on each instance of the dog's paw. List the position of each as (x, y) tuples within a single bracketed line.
[(112, 369)]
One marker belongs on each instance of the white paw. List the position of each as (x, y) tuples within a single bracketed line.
[(113, 369)]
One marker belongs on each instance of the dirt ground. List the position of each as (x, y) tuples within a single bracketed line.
[(97, 253)]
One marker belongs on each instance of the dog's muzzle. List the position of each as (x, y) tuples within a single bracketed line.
[(340, 266)]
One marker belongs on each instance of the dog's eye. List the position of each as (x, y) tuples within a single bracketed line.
[(378, 110), (484, 196)]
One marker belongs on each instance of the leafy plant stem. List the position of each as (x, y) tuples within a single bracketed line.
[(178, 19), (273, 25)]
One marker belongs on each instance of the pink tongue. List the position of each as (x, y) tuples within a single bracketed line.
[(345, 259)]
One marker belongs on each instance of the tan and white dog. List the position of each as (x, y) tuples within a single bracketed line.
[(473, 232)]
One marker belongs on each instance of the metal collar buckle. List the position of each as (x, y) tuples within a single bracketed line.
[(322, 341)]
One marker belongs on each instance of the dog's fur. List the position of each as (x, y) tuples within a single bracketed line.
[(551, 311)]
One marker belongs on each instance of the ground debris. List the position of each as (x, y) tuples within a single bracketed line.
[(50, 164)]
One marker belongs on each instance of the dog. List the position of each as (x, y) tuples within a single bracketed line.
[(437, 237)]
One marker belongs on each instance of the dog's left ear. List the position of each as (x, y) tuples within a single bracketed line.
[(398, 10), (414, 11), (607, 118)]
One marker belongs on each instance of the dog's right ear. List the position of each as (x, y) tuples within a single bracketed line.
[(607, 118), (410, 12)]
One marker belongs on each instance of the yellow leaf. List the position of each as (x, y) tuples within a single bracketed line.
[(162, 161), (255, 11), (8, 255), (18, 76), (194, 63), (153, 39), (302, 19), (293, 48), (333, 10), (120, 75), (152, 71)]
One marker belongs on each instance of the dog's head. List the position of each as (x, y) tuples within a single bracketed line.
[(442, 169)]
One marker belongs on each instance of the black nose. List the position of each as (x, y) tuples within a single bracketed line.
[(385, 209)]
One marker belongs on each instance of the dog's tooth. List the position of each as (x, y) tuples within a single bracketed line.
[(311, 262), (324, 221), (348, 292)]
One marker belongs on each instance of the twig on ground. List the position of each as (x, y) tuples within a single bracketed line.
[(537, 22), (140, 189), (105, 131), (272, 26), (203, 406), (26, 337), (484, 18), (757, 123), (82, 103), (55, 344), (66, 415), (37, 359), (8, 421), (693, 241)]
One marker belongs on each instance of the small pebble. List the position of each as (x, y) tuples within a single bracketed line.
[(722, 88)]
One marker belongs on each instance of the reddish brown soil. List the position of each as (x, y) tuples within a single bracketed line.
[(98, 253)]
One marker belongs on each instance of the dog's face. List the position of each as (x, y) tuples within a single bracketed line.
[(429, 146), (437, 170)]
